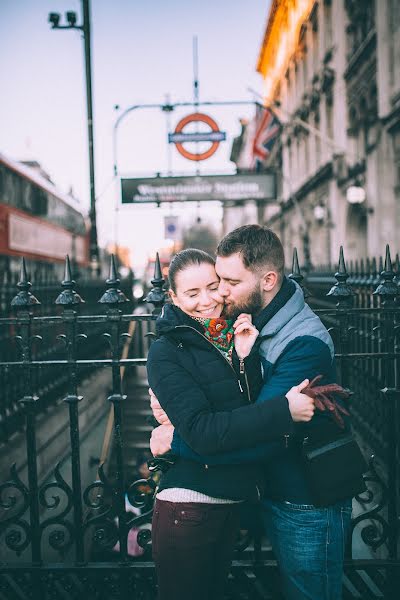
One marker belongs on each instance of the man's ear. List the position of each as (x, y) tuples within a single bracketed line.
[(269, 280)]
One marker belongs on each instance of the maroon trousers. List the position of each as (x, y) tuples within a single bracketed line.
[(192, 545)]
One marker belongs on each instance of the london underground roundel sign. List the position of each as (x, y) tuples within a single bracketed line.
[(214, 135)]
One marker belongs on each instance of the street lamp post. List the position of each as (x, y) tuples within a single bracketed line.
[(54, 19)]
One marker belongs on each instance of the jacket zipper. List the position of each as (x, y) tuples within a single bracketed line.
[(241, 361), (242, 371), (258, 492)]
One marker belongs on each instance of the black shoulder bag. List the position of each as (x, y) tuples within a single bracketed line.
[(332, 459), (334, 469)]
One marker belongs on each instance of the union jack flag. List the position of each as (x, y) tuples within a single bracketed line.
[(267, 129)]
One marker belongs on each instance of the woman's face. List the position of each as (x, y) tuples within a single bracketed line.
[(197, 291)]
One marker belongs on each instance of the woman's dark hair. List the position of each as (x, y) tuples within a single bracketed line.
[(187, 258)]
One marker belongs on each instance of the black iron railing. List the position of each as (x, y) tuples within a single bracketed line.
[(43, 523)]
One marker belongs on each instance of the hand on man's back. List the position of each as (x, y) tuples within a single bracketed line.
[(161, 439)]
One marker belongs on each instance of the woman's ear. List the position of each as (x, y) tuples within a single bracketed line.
[(173, 297)]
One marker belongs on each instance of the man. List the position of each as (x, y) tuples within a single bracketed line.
[(308, 542)]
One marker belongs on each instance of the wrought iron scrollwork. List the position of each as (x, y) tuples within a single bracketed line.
[(57, 538), (103, 513), (17, 530), (375, 528)]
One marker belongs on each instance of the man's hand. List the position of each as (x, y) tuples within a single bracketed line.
[(301, 407), (161, 439), (324, 398), (159, 414)]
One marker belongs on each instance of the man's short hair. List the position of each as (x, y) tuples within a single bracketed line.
[(258, 246)]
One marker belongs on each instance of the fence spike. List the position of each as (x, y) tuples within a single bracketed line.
[(342, 264), (397, 269), (113, 274), (296, 274), (24, 298), (68, 296), (113, 295), (157, 294), (67, 274), (387, 289), (157, 268), (388, 261), (341, 289)]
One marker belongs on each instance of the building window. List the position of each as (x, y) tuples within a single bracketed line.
[(364, 122), (394, 42), (328, 24), (306, 153), (315, 40), (317, 140), (298, 159), (362, 21), (329, 115)]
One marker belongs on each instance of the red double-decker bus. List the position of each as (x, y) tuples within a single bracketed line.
[(38, 222)]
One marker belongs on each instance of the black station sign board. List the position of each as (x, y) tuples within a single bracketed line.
[(196, 188)]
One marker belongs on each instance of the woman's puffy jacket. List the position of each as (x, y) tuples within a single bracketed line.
[(209, 402)]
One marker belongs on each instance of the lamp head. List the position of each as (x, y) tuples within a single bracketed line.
[(54, 19), (71, 18)]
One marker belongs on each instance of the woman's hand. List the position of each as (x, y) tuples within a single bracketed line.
[(245, 335), (301, 407), (158, 413), (161, 440)]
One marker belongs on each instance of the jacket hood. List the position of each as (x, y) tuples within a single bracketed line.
[(291, 308), (171, 316)]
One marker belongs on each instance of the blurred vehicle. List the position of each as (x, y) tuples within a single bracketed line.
[(39, 222)]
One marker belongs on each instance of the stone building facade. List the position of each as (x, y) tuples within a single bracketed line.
[(331, 71)]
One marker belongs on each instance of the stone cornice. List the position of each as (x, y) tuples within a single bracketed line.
[(281, 39)]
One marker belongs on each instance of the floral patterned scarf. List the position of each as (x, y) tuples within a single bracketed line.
[(219, 331)]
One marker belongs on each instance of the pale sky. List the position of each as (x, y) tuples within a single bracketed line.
[(141, 51)]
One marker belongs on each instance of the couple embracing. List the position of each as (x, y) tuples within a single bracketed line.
[(235, 348)]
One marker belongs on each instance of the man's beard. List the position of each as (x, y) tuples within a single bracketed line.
[(253, 304)]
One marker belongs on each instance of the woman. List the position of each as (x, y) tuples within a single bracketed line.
[(201, 364)]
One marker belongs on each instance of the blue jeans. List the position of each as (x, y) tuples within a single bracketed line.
[(309, 545)]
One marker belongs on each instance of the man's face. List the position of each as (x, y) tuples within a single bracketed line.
[(239, 287)]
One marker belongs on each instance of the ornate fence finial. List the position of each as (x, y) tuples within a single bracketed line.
[(356, 278), (367, 269), (380, 268), (113, 294), (341, 290), (397, 270), (387, 289), (68, 297), (373, 280), (24, 298), (157, 295), (296, 274), (362, 272)]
